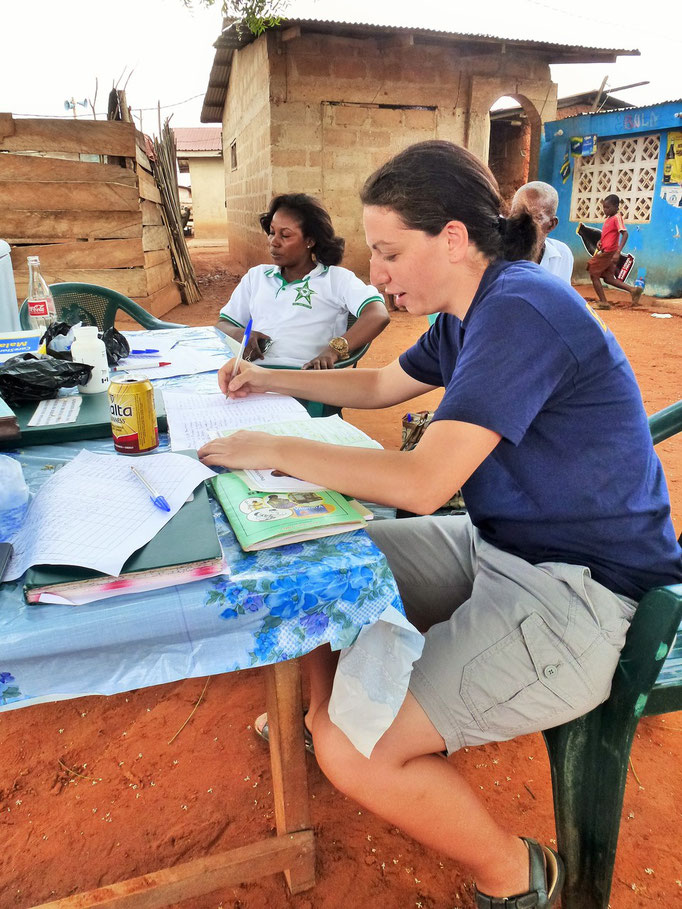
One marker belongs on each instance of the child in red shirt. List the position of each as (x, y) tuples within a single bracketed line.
[(602, 265)]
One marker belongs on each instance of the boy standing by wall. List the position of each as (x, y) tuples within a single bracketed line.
[(603, 264)]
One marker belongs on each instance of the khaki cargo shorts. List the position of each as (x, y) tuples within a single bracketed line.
[(510, 648)]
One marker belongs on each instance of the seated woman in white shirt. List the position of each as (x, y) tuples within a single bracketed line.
[(300, 305)]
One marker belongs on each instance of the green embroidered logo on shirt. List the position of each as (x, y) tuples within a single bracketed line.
[(303, 294)]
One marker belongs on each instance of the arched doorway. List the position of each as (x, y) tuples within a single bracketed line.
[(514, 142)]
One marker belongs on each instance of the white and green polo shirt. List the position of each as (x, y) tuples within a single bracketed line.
[(301, 317)]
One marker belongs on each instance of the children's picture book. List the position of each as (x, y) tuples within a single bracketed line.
[(262, 520)]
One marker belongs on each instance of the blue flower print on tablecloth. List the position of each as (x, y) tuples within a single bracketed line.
[(291, 599), (8, 690)]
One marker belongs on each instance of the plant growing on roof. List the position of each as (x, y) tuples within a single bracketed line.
[(255, 15)]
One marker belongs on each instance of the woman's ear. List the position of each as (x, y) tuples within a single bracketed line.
[(457, 238)]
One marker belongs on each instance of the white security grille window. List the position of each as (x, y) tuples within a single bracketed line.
[(626, 167)]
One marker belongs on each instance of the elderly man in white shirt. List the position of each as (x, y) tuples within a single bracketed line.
[(540, 200)]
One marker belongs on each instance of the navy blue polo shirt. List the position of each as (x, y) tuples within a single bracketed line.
[(575, 477)]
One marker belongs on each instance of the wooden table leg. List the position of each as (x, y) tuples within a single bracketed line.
[(288, 761), (291, 851)]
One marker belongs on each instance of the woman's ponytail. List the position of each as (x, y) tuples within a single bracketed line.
[(519, 236)]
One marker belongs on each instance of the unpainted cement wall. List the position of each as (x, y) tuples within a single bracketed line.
[(246, 120), (339, 107), (207, 176)]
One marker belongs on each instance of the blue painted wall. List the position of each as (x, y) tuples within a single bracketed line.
[(656, 246)]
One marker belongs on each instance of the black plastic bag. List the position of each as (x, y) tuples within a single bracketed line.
[(56, 330), (116, 344), (30, 378), (51, 332)]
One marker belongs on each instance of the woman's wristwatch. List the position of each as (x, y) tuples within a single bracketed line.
[(340, 346)]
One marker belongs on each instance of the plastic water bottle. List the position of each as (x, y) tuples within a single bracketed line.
[(89, 349), (41, 309), (640, 279), (13, 497)]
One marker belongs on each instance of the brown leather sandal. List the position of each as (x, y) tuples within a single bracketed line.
[(545, 880)]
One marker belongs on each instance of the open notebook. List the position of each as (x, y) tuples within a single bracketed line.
[(185, 549)]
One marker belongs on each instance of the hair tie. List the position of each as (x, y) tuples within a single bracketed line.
[(502, 224)]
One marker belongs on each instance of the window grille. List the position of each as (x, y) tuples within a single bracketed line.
[(626, 167)]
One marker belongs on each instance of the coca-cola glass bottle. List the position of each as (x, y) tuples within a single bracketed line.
[(41, 309)]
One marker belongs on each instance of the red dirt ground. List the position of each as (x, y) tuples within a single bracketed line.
[(91, 793)]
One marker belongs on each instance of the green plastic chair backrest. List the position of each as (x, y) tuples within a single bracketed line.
[(95, 305)]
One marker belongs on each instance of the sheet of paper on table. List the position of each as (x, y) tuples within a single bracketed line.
[(94, 513), (183, 362), (56, 410), (332, 429), (194, 419)]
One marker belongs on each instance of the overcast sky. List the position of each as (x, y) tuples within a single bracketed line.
[(53, 50)]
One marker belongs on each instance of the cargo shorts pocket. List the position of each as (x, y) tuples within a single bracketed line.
[(525, 682)]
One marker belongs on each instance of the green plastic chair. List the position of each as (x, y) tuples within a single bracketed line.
[(316, 408), (589, 756), (95, 305)]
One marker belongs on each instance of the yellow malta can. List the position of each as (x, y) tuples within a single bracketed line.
[(133, 415)]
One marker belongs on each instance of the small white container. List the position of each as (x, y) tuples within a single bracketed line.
[(87, 348)]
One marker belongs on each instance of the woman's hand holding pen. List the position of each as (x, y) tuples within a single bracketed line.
[(251, 379), (241, 450)]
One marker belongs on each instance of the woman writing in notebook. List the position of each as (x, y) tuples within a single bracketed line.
[(525, 602), (300, 305)]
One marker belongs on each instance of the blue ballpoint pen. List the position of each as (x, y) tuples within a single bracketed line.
[(245, 341), (149, 350), (158, 500)]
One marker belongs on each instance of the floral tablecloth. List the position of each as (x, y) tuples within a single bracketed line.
[(274, 605)]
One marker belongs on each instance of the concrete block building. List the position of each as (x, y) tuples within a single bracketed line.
[(315, 106), (200, 153)]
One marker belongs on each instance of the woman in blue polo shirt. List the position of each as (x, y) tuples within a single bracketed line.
[(525, 602), (300, 304)]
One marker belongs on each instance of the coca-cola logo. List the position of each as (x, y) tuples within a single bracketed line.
[(37, 307)]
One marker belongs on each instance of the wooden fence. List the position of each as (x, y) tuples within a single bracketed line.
[(80, 194)]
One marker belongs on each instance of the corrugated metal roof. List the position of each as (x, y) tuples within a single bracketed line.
[(635, 107), (198, 138), (232, 38), (418, 28)]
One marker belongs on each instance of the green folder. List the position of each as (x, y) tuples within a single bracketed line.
[(189, 537), (93, 422)]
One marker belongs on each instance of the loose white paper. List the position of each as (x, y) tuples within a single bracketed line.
[(95, 513), (183, 362), (56, 410), (194, 419)]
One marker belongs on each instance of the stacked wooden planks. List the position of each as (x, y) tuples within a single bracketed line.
[(80, 195)]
